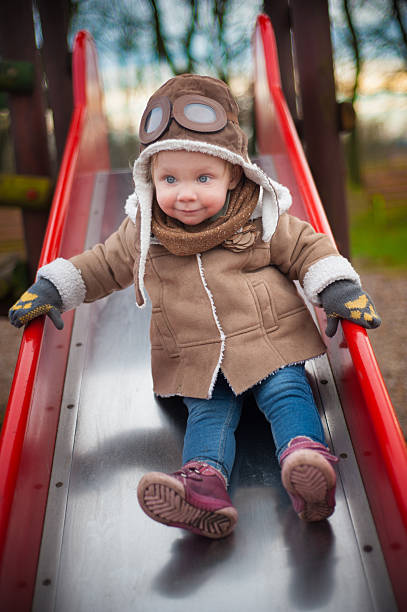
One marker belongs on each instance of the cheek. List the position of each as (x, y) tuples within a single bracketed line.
[(216, 197), (164, 197)]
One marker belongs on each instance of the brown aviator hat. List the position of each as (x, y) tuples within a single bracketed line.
[(193, 107)]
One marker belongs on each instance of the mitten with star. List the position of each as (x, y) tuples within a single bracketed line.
[(344, 299), (41, 298)]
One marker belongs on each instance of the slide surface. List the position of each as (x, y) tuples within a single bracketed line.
[(83, 426)]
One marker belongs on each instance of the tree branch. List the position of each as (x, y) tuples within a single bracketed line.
[(355, 48), (161, 45), (219, 10), (399, 19), (190, 34)]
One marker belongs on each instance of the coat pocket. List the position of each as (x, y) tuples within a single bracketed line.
[(265, 305), (164, 332)]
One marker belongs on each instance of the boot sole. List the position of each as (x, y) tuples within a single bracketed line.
[(312, 484), (162, 498)]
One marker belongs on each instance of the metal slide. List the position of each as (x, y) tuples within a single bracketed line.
[(83, 425)]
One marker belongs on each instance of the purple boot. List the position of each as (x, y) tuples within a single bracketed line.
[(193, 498), (309, 478)]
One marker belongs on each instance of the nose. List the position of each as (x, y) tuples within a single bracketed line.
[(186, 193)]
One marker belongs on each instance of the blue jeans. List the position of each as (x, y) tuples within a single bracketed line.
[(284, 397)]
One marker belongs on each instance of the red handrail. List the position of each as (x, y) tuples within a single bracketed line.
[(29, 433), (14, 426), (376, 435)]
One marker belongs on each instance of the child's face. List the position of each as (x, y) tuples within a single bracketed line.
[(192, 187)]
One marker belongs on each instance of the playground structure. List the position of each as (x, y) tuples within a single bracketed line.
[(73, 447), (23, 72)]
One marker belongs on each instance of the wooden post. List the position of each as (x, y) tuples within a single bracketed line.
[(57, 65), (17, 42), (313, 50), (279, 13)]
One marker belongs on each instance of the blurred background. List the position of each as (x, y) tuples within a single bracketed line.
[(142, 43)]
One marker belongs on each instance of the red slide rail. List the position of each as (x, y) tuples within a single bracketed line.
[(29, 430), (376, 435)]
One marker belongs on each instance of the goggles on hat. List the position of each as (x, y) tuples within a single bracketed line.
[(192, 112)]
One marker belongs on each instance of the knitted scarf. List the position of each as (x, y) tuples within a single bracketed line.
[(180, 239)]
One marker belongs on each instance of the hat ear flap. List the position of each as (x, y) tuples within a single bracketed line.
[(270, 214), (283, 196), (276, 201), (145, 193), (131, 206)]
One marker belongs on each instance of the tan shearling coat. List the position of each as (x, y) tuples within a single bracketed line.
[(238, 312)]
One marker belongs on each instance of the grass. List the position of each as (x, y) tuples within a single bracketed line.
[(378, 232)]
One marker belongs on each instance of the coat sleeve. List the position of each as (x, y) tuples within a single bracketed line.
[(108, 267), (307, 256), (96, 272)]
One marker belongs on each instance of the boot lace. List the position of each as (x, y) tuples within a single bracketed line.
[(193, 472)]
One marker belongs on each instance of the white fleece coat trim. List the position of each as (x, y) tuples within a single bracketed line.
[(275, 198), (68, 281), (327, 271), (218, 325)]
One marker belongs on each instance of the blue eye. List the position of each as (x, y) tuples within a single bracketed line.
[(203, 178), (170, 179)]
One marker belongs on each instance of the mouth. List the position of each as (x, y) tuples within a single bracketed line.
[(190, 212)]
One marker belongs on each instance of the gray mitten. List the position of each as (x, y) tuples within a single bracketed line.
[(344, 299), (41, 298)]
